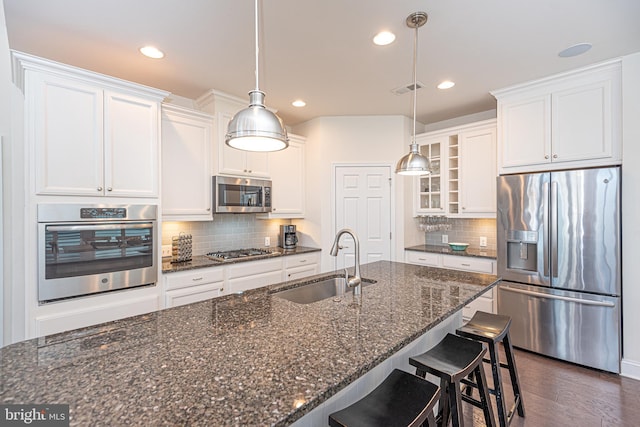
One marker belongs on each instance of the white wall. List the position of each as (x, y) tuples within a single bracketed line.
[(349, 139), (631, 215)]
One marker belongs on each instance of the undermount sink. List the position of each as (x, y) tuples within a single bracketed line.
[(317, 291)]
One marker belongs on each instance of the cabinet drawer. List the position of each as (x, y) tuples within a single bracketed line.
[(482, 304), (300, 272), (249, 268), (467, 263), (186, 279), (192, 294), (300, 260), (254, 281), (423, 258)]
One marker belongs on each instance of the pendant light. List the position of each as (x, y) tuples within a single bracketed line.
[(414, 163), (255, 128)]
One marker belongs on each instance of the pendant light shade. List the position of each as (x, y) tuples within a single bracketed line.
[(414, 163), (255, 128)]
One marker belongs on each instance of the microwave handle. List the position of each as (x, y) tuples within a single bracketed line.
[(97, 227)]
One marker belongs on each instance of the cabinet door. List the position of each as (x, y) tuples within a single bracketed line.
[(66, 118), (193, 294), (232, 161), (525, 137), (287, 176), (131, 146), (429, 189), (581, 123), (477, 174), (186, 165)]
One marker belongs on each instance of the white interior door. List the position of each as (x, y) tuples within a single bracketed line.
[(363, 203)]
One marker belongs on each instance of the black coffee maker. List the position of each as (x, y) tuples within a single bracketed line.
[(288, 238)]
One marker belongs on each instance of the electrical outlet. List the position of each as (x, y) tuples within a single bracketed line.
[(483, 242), (267, 241), (445, 238), (166, 250)]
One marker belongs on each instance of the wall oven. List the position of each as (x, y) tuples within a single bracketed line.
[(241, 195), (85, 250)]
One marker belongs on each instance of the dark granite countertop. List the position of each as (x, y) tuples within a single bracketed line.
[(247, 359), (471, 252), (202, 261)]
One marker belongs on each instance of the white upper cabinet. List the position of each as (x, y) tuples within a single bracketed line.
[(568, 120), (232, 161), (89, 134), (287, 177), (477, 172), (463, 172), (187, 139), (431, 188)]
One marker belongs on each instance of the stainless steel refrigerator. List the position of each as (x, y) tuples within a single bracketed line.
[(559, 257)]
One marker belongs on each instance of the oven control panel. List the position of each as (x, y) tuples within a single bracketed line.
[(103, 213)]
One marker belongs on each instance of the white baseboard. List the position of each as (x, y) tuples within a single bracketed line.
[(630, 368)]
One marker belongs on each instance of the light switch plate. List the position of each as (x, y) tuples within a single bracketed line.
[(483, 242), (267, 241), (445, 238)]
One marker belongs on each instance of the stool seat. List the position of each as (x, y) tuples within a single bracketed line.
[(452, 360), (401, 400), (492, 329), (486, 327)]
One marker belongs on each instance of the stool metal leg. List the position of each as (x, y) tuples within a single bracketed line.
[(456, 405), (513, 373), (444, 408), (497, 385)]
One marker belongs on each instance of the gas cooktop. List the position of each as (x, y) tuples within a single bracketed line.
[(240, 253)]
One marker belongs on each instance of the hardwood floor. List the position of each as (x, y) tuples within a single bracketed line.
[(560, 394)]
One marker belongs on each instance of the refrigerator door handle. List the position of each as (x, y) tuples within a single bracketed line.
[(545, 231), (554, 229), (558, 297)]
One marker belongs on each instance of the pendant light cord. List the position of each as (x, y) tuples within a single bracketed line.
[(415, 82), (257, 46)]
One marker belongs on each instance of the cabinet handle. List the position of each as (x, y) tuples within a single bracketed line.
[(463, 208), (465, 265), (244, 170), (208, 209), (555, 156), (546, 156), (99, 188), (197, 279), (249, 171), (303, 260), (109, 189)]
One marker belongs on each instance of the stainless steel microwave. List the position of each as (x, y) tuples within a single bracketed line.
[(241, 195)]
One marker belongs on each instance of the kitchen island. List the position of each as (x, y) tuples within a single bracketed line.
[(246, 359)]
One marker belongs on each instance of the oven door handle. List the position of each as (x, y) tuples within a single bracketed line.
[(98, 227)]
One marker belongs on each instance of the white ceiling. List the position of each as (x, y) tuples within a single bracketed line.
[(321, 50)]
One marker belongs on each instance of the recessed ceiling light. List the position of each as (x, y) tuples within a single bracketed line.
[(298, 103), (152, 52), (384, 38), (447, 84), (575, 50)]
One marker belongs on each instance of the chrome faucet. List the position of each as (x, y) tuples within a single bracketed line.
[(352, 281)]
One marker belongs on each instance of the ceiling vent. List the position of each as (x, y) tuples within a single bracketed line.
[(407, 88)]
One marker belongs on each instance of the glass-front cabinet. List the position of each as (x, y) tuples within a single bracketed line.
[(431, 192), (463, 172)]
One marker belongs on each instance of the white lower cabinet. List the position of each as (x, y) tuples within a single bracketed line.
[(186, 287), (255, 274), (300, 266), (486, 302), (53, 318)]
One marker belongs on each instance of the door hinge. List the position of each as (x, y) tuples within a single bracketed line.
[(390, 235), (389, 182)]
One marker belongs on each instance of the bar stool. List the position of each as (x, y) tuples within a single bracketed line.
[(402, 399), (492, 329), (453, 359)]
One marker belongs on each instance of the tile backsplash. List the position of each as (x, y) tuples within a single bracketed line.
[(226, 232), (466, 231)]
